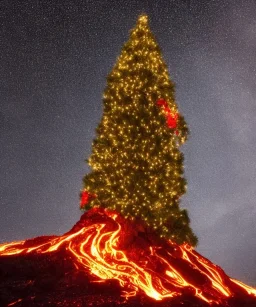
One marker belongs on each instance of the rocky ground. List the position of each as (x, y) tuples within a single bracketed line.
[(55, 279)]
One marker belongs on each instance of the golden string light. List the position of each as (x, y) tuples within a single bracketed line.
[(137, 167)]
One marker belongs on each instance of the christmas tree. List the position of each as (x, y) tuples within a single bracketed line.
[(137, 167)]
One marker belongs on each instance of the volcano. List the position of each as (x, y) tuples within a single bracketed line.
[(107, 260)]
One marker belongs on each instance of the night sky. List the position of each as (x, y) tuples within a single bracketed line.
[(54, 59)]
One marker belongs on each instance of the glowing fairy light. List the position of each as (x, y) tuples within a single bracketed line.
[(136, 164)]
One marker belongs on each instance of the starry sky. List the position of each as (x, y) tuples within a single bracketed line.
[(54, 59)]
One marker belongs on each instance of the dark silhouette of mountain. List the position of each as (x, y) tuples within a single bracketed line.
[(106, 260)]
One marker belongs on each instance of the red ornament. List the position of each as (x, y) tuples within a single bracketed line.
[(162, 102), (171, 118), (85, 197)]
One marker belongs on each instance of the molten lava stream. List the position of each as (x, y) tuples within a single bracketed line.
[(95, 248)]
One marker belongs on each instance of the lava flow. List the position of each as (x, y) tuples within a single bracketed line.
[(111, 247)]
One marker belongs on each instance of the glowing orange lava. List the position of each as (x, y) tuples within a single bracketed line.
[(160, 272)]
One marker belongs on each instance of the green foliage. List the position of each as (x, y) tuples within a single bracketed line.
[(137, 167)]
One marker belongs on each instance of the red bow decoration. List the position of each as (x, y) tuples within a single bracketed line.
[(85, 197), (171, 118)]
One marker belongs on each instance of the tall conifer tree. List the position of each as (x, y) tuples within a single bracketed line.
[(137, 167)]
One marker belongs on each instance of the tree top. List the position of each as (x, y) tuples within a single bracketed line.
[(143, 19)]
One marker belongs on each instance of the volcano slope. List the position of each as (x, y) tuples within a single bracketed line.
[(106, 260)]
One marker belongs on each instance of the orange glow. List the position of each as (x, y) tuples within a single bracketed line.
[(160, 272), (250, 290), (13, 303)]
